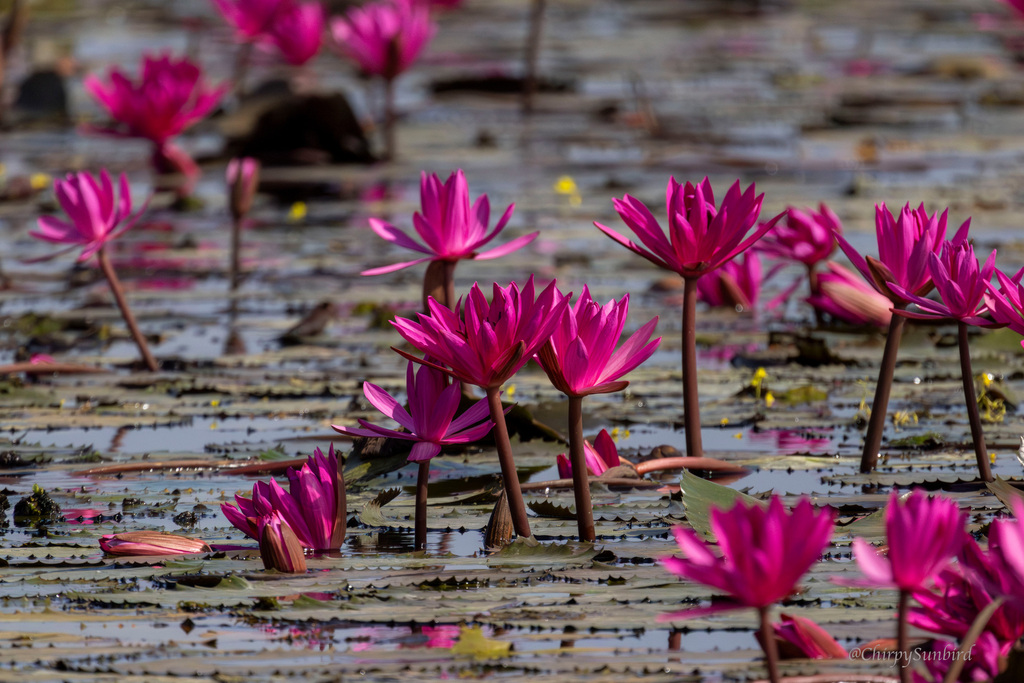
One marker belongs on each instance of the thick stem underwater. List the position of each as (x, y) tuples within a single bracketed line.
[(977, 435), (421, 505), (389, 119), (514, 495), (126, 313), (532, 52), (880, 406), (236, 253), (903, 638), (691, 400), (580, 476), (771, 648)]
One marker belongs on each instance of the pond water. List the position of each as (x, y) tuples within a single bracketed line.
[(850, 104)]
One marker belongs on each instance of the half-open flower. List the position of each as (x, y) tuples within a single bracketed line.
[(601, 457), (96, 214), (961, 285)]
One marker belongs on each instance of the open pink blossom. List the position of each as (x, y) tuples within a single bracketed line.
[(845, 296), (701, 236), (962, 591), (601, 457), (298, 32), (806, 236), (981, 661), (764, 552), (310, 506), (1007, 302), (923, 533), (252, 18), (492, 341), (961, 285), (451, 229), (96, 214), (580, 357), (169, 96), (1006, 550), (904, 245), (430, 420), (384, 38)]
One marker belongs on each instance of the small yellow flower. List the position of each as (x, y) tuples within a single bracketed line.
[(511, 390), (725, 421), (769, 399), (39, 181), (297, 212), (566, 186), (213, 425), (214, 403)]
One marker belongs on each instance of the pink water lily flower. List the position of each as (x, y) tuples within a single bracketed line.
[(150, 543), (451, 228), (904, 246), (701, 236), (736, 284), (806, 236), (764, 552), (960, 284), (430, 420), (384, 38), (601, 457), (298, 32), (251, 18), (923, 532), (845, 296), (169, 96), (97, 214), (962, 591), (492, 341), (981, 662), (580, 357), (1007, 302), (1006, 550), (310, 506)]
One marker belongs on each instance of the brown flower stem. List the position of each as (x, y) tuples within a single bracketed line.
[(977, 435), (126, 313), (532, 52), (770, 647), (902, 636), (580, 476), (880, 406), (421, 505), (691, 401), (439, 282), (389, 119), (236, 253), (520, 521)]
